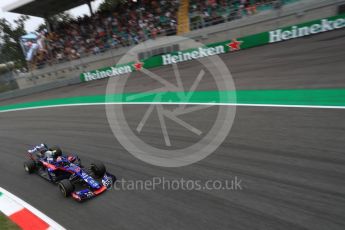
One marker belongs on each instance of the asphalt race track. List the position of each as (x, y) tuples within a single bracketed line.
[(290, 160)]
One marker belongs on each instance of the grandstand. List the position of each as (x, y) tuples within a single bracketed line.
[(127, 24), (45, 8), (69, 51)]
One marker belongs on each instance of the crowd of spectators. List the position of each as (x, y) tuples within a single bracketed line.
[(203, 13), (128, 24)]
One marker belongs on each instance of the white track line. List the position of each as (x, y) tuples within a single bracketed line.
[(178, 103)]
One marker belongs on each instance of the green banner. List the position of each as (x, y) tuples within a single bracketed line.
[(279, 35)]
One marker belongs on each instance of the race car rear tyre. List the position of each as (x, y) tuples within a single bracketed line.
[(29, 166), (98, 169), (66, 187)]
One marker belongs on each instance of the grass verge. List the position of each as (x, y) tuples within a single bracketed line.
[(7, 224)]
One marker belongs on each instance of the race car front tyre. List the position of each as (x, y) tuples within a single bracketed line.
[(66, 187), (98, 169), (29, 166)]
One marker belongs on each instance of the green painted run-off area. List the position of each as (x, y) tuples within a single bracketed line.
[(304, 97)]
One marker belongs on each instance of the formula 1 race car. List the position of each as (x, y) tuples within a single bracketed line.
[(68, 173)]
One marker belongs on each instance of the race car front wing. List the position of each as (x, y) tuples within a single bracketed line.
[(107, 182)]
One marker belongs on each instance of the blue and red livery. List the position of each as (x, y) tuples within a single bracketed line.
[(72, 178)]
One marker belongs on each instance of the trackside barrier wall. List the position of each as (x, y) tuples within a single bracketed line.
[(278, 35)]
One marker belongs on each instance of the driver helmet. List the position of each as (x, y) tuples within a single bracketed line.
[(43, 148), (49, 154)]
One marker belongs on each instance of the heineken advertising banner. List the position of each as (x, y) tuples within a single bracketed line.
[(279, 35)]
